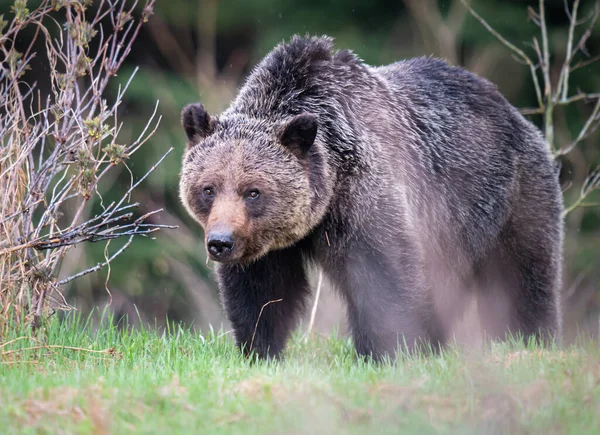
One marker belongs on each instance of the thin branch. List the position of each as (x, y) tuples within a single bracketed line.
[(139, 181), (578, 97), (591, 184), (313, 312), (258, 320), (513, 48), (549, 99), (588, 31), (99, 265), (584, 63), (563, 80), (587, 129)]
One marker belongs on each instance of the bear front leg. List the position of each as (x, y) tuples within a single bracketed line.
[(263, 300)]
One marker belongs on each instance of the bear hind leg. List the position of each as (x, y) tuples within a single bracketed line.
[(519, 288), (388, 310)]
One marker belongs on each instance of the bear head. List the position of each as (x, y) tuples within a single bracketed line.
[(254, 185)]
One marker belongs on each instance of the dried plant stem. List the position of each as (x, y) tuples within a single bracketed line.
[(548, 97), (258, 320), (313, 312), (590, 125), (521, 55), (563, 80)]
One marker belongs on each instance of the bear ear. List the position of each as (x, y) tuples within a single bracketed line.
[(299, 134), (196, 122)]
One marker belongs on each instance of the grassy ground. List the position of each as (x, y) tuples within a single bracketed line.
[(75, 378)]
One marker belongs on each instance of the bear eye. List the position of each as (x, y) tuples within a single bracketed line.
[(209, 192), (253, 194)]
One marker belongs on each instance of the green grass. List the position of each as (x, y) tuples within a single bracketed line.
[(121, 380)]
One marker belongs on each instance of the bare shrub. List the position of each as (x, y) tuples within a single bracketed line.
[(553, 90), (57, 143)]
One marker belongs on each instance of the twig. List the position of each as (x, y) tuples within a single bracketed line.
[(584, 63), (257, 320), (591, 183), (585, 131), (139, 181), (513, 48), (38, 312), (578, 97), (549, 99), (97, 266), (51, 347), (563, 80), (313, 312), (109, 351)]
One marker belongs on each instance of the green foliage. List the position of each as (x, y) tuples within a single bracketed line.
[(82, 33), (20, 10), (115, 152), (3, 24)]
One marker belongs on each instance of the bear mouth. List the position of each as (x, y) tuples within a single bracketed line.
[(232, 256), (239, 256), (239, 253), (227, 260)]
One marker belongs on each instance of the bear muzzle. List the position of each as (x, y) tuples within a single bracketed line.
[(223, 245)]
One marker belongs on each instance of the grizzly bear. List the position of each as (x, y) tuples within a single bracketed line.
[(413, 186)]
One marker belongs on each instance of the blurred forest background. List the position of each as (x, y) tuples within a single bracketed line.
[(201, 51)]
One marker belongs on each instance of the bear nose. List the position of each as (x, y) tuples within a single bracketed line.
[(220, 244)]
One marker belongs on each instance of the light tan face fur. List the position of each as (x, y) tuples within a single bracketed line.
[(254, 190)]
